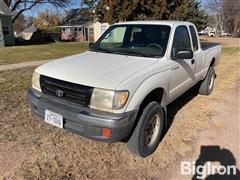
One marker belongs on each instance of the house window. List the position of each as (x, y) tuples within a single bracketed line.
[(80, 31), (68, 30), (5, 30)]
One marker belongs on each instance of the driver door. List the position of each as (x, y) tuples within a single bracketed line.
[(182, 70)]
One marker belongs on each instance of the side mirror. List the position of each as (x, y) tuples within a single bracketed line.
[(184, 55), (91, 45)]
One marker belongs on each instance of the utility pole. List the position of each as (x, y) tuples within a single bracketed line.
[(81, 4)]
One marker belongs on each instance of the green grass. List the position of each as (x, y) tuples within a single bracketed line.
[(17, 54)]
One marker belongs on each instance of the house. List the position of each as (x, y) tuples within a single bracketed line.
[(35, 35), (6, 27), (27, 33), (76, 26), (99, 29)]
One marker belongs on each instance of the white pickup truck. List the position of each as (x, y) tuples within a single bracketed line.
[(119, 89)]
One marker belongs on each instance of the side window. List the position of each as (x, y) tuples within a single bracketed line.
[(194, 38), (5, 30), (181, 41)]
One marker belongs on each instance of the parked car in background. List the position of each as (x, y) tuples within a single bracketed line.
[(225, 34), (211, 34), (200, 33)]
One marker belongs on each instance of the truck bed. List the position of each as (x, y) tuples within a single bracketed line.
[(207, 45)]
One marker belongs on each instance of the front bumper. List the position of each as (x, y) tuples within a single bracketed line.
[(84, 121)]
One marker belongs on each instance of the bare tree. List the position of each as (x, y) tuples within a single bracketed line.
[(20, 6), (215, 8), (231, 16), (226, 15), (20, 24)]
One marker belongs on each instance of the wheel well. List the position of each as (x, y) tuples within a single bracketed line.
[(155, 95), (212, 62)]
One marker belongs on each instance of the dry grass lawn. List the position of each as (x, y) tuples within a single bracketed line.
[(17, 54), (224, 41), (32, 149)]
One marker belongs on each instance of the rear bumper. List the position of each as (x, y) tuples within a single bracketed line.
[(84, 121)]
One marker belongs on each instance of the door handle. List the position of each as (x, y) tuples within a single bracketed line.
[(192, 61), (175, 68)]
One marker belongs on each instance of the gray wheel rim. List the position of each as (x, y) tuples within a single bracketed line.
[(152, 131)]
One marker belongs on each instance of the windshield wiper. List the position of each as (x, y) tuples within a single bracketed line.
[(124, 51), (99, 49), (131, 51)]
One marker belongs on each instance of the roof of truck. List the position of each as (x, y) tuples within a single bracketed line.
[(170, 23)]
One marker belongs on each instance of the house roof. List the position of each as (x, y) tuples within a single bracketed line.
[(4, 9), (76, 17), (30, 29)]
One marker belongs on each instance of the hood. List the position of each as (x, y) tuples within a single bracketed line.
[(95, 69)]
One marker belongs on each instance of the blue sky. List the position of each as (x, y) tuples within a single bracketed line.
[(36, 10)]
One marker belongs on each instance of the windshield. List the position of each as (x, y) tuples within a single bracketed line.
[(136, 40)]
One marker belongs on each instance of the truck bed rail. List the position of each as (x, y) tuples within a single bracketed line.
[(207, 45)]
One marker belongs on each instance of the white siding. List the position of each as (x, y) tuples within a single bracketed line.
[(99, 29)]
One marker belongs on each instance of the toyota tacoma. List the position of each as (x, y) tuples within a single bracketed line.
[(120, 88)]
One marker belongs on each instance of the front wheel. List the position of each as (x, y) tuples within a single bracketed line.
[(206, 86), (148, 131)]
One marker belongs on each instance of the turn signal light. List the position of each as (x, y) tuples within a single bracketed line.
[(106, 132)]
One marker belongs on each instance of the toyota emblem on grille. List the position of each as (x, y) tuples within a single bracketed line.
[(59, 93)]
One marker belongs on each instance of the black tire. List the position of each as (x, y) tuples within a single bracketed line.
[(207, 84), (137, 142)]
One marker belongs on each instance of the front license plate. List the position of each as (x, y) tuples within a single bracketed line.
[(53, 118)]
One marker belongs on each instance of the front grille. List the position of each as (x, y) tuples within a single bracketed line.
[(71, 92)]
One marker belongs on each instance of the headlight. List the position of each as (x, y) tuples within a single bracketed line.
[(36, 81), (107, 100)]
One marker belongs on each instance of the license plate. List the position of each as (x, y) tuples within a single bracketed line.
[(53, 118)]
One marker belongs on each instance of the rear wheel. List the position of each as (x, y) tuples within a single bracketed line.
[(148, 131), (207, 85)]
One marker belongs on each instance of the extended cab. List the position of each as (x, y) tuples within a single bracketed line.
[(119, 89)]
